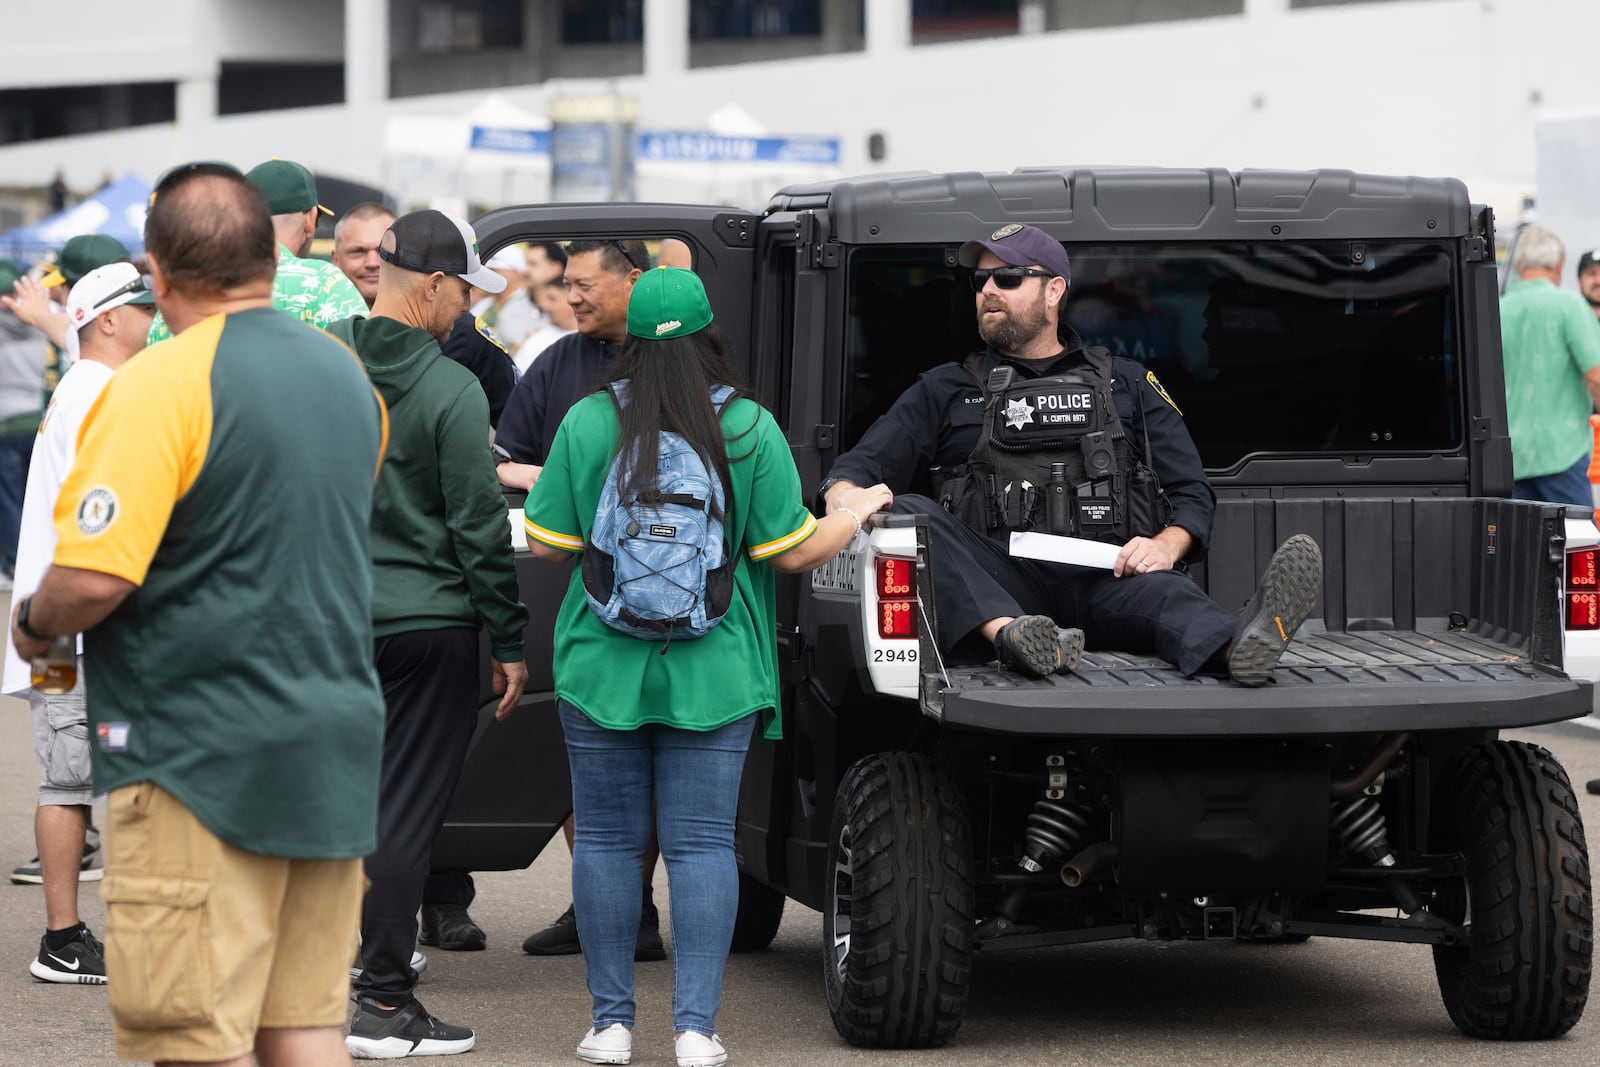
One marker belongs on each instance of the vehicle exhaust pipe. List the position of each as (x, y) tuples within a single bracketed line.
[(1089, 865)]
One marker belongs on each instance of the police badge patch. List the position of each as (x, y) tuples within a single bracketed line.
[(1005, 231), (1018, 413), (1150, 376)]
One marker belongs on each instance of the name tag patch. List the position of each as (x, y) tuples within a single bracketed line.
[(1044, 412)]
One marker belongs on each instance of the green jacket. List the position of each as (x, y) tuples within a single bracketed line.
[(441, 539)]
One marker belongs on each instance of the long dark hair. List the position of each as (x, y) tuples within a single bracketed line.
[(669, 388)]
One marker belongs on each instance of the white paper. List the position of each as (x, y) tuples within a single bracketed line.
[(519, 532), (1075, 550)]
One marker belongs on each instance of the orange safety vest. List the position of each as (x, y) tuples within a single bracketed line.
[(1594, 459)]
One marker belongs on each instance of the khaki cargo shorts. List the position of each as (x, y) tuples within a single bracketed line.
[(205, 942), (61, 741)]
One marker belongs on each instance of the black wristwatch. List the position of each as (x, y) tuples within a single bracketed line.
[(500, 455), (22, 620)]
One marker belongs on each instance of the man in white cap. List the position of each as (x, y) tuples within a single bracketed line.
[(509, 312), (109, 309)]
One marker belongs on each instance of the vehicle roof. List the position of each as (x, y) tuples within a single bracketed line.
[(1122, 204)]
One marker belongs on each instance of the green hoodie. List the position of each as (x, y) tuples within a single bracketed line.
[(441, 541)]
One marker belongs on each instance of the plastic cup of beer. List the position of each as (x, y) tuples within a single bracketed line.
[(56, 671)]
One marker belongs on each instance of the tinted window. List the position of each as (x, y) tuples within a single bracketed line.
[(1328, 348)]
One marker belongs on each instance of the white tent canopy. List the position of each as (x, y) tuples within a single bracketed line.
[(496, 152)]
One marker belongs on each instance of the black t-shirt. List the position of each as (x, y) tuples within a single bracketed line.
[(476, 348)]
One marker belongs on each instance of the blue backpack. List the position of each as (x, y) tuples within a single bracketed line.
[(659, 568)]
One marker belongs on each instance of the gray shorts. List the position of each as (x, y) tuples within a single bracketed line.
[(61, 741)]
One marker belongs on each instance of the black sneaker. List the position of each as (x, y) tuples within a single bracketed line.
[(448, 926), (1034, 644), (1286, 595), (560, 938), (411, 1031), (649, 947), (82, 962), (88, 871)]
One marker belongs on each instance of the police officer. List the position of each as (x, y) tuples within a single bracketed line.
[(1038, 433)]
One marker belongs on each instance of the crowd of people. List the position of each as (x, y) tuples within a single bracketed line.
[(278, 756)]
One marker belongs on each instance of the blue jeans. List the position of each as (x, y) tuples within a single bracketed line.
[(694, 777), (16, 449), (1570, 486)]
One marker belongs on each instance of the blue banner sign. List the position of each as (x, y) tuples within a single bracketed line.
[(715, 148), (503, 139)]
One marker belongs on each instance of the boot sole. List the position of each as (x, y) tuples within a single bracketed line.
[(1290, 588), (1043, 648)]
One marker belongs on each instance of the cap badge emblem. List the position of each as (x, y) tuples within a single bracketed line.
[(1006, 231), (667, 327)]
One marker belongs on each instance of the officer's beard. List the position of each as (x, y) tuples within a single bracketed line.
[(1016, 329)]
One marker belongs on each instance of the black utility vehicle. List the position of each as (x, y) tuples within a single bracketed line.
[(1333, 341)]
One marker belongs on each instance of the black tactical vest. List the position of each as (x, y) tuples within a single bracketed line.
[(1052, 458)]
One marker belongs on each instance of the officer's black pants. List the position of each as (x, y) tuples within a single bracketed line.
[(974, 580), (430, 693)]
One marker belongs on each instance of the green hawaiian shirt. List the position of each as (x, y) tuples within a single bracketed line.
[(312, 290)]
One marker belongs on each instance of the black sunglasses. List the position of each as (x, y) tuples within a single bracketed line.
[(1006, 277), (138, 285), (623, 248)]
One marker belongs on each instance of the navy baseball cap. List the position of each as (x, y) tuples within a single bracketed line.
[(1020, 246), (1588, 259)]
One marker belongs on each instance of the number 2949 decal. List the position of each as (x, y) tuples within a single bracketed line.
[(894, 655)]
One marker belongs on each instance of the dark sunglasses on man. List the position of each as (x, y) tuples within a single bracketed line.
[(138, 285), (1006, 277)]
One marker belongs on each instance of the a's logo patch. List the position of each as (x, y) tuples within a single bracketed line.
[(97, 511), (1006, 231), (1018, 413), (1161, 390), (667, 327)]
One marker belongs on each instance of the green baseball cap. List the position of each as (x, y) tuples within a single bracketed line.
[(82, 254), (9, 273), (668, 302), (290, 188)]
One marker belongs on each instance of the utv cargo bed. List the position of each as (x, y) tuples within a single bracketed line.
[(1327, 683)]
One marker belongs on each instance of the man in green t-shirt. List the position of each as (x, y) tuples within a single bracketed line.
[(1551, 345), (225, 599)]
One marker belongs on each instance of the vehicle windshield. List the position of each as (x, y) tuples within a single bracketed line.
[(1307, 348)]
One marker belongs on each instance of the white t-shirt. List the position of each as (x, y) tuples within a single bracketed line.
[(53, 453), (516, 319), (539, 340)]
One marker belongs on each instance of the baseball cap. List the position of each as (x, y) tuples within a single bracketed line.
[(1020, 246), (289, 187), (511, 257), (82, 254), (1588, 259), (668, 302), (426, 241), (9, 273), (105, 288)]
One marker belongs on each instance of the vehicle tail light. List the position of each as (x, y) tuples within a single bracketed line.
[(897, 597), (1583, 589)]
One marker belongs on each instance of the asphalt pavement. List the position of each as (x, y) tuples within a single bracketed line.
[(1324, 1002)]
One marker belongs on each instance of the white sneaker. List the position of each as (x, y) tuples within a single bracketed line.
[(614, 1044), (419, 963), (697, 1050)]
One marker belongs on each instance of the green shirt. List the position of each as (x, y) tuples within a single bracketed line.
[(1550, 339), (623, 682), (228, 475), (312, 290)]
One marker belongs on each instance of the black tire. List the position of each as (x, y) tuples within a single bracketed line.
[(897, 919), (1523, 974), (760, 912)]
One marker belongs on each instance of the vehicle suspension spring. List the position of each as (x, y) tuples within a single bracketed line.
[(1360, 825), (1053, 828)]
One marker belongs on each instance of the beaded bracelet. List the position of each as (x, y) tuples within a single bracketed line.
[(854, 516)]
